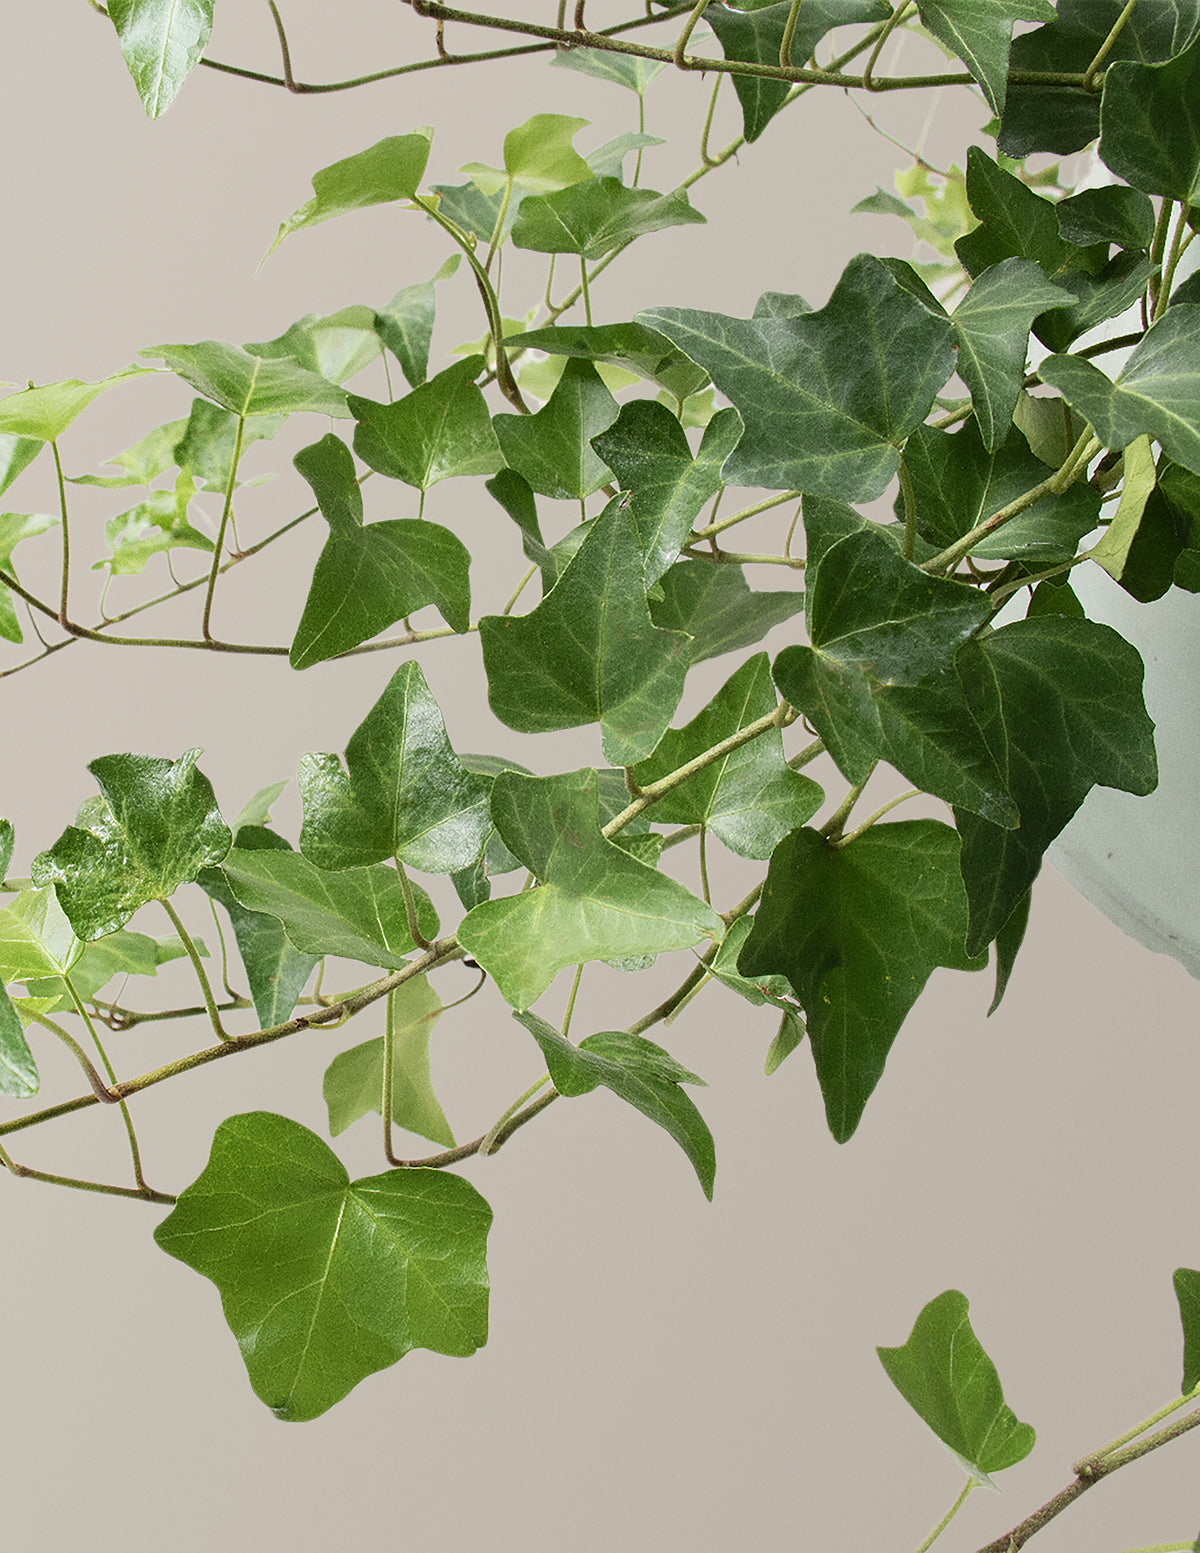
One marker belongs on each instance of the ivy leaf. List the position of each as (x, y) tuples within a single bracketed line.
[(390, 170), (827, 398), (979, 32), (438, 432), (162, 41), (638, 1072), (754, 35), (552, 449), (595, 901), (589, 651), (36, 939), (774, 990), (945, 1376), (207, 442), (1113, 549), (153, 527), (155, 827), (246, 384), (992, 323), (46, 412), (1014, 222), (631, 346), (1187, 1292), (1157, 391), (334, 346), (649, 454), (875, 688), (358, 913), (717, 608), (538, 158), (1008, 943), (1059, 703), (750, 799), (17, 453), (325, 1280), (628, 70), (592, 218), (1113, 214), (19, 1077), (8, 839), (353, 1083), (858, 929), (405, 324), (404, 792), (14, 527), (367, 578), (116, 954), (1149, 132)]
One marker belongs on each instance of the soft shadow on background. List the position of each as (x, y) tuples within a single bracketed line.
[(662, 1374)]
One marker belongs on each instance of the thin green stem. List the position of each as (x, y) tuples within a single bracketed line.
[(901, 14), (681, 42), (948, 1517), (498, 229), (691, 983), (833, 826), (520, 588), (704, 889), (1105, 49), (193, 954), (99, 1088), (227, 508), (491, 1139), (410, 908), (847, 837), (1090, 1457), (637, 161), (570, 1008), (143, 1194), (64, 613), (134, 1151), (389, 1058), (583, 286), (1174, 249), (466, 1150), (789, 32), (710, 529)]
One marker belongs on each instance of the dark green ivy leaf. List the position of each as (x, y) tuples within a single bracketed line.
[(945, 1376), (979, 32), (858, 929), (592, 218), (552, 450), (594, 901), (405, 324), (1059, 702), (1187, 1292), (631, 346), (638, 1072), (247, 384), (717, 608), (439, 431), (1149, 129), (751, 799), (155, 827), (829, 397), (162, 41), (325, 1280), (404, 792), (589, 652), (1114, 214)]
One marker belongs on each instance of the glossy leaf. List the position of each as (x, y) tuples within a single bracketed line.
[(325, 1280), (246, 384), (826, 397), (440, 431), (750, 799), (358, 913), (1187, 1292), (46, 412), (367, 578), (162, 41), (945, 1376), (1149, 131), (353, 1084), (1015, 222), (992, 323), (552, 449), (538, 158), (717, 607), (35, 937), (630, 345), (155, 827), (405, 324), (979, 32), (649, 454), (638, 1072), (14, 527), (1156, 392), (19, 1077), (594, 901), (390, 170), (207, 442), (589, 651), (1059, 703), (404, 793), (858, 930), (592, 218), (154, 526)]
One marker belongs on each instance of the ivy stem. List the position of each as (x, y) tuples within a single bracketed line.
[(410, 908), (389, 1057), (853, 835), (948, 1517), (901, 14), (134, 1151), (520, 588), (789, 32), (489, 1143), (1174, 249), (704, 890), (193, 954), (143, 1194), (466, 1150), (832, 828), (63, 612), (1082, 1466), (570, 1008), (583, 286), (227, 508), (681, 42), (99, 1087), (711, 529), (1102, 53), (285, 53)]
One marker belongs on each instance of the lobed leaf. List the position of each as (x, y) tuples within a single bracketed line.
[(162, 42), (353, 1084), (390, 170)]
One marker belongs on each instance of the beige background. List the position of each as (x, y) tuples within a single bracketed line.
[(662, 1374)]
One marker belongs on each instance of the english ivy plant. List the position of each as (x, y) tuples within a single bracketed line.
[(934, 636)]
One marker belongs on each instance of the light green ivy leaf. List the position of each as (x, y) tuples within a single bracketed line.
[(162, 41), (353, 1084), (46, 412), (390, 170), (19, 1077), (246, 384)]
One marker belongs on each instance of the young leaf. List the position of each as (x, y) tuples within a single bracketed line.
[(155, 827), (353, 1083), (589, 652), (206, 444), (35, 937), (439, 431), (595, 901), (247, 384), (750, 799), (594, 217), (1059, 703), (552, 449), (626, 70), (335, 346), (1113, 549), (717, 608), (773, 990), (405, 324), (154, 526), (17, 453), (827, 397), (14, 527), (640, 1073), (358, 913), (1187, 1292), (404, 792), (979, 32), (647, 451), (46, 412), (945, 1376), (162, 41), (390, 170), (116, 954), (858, 930), (538, 158), (7, 842), (325, 1280), (19, 1076)]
